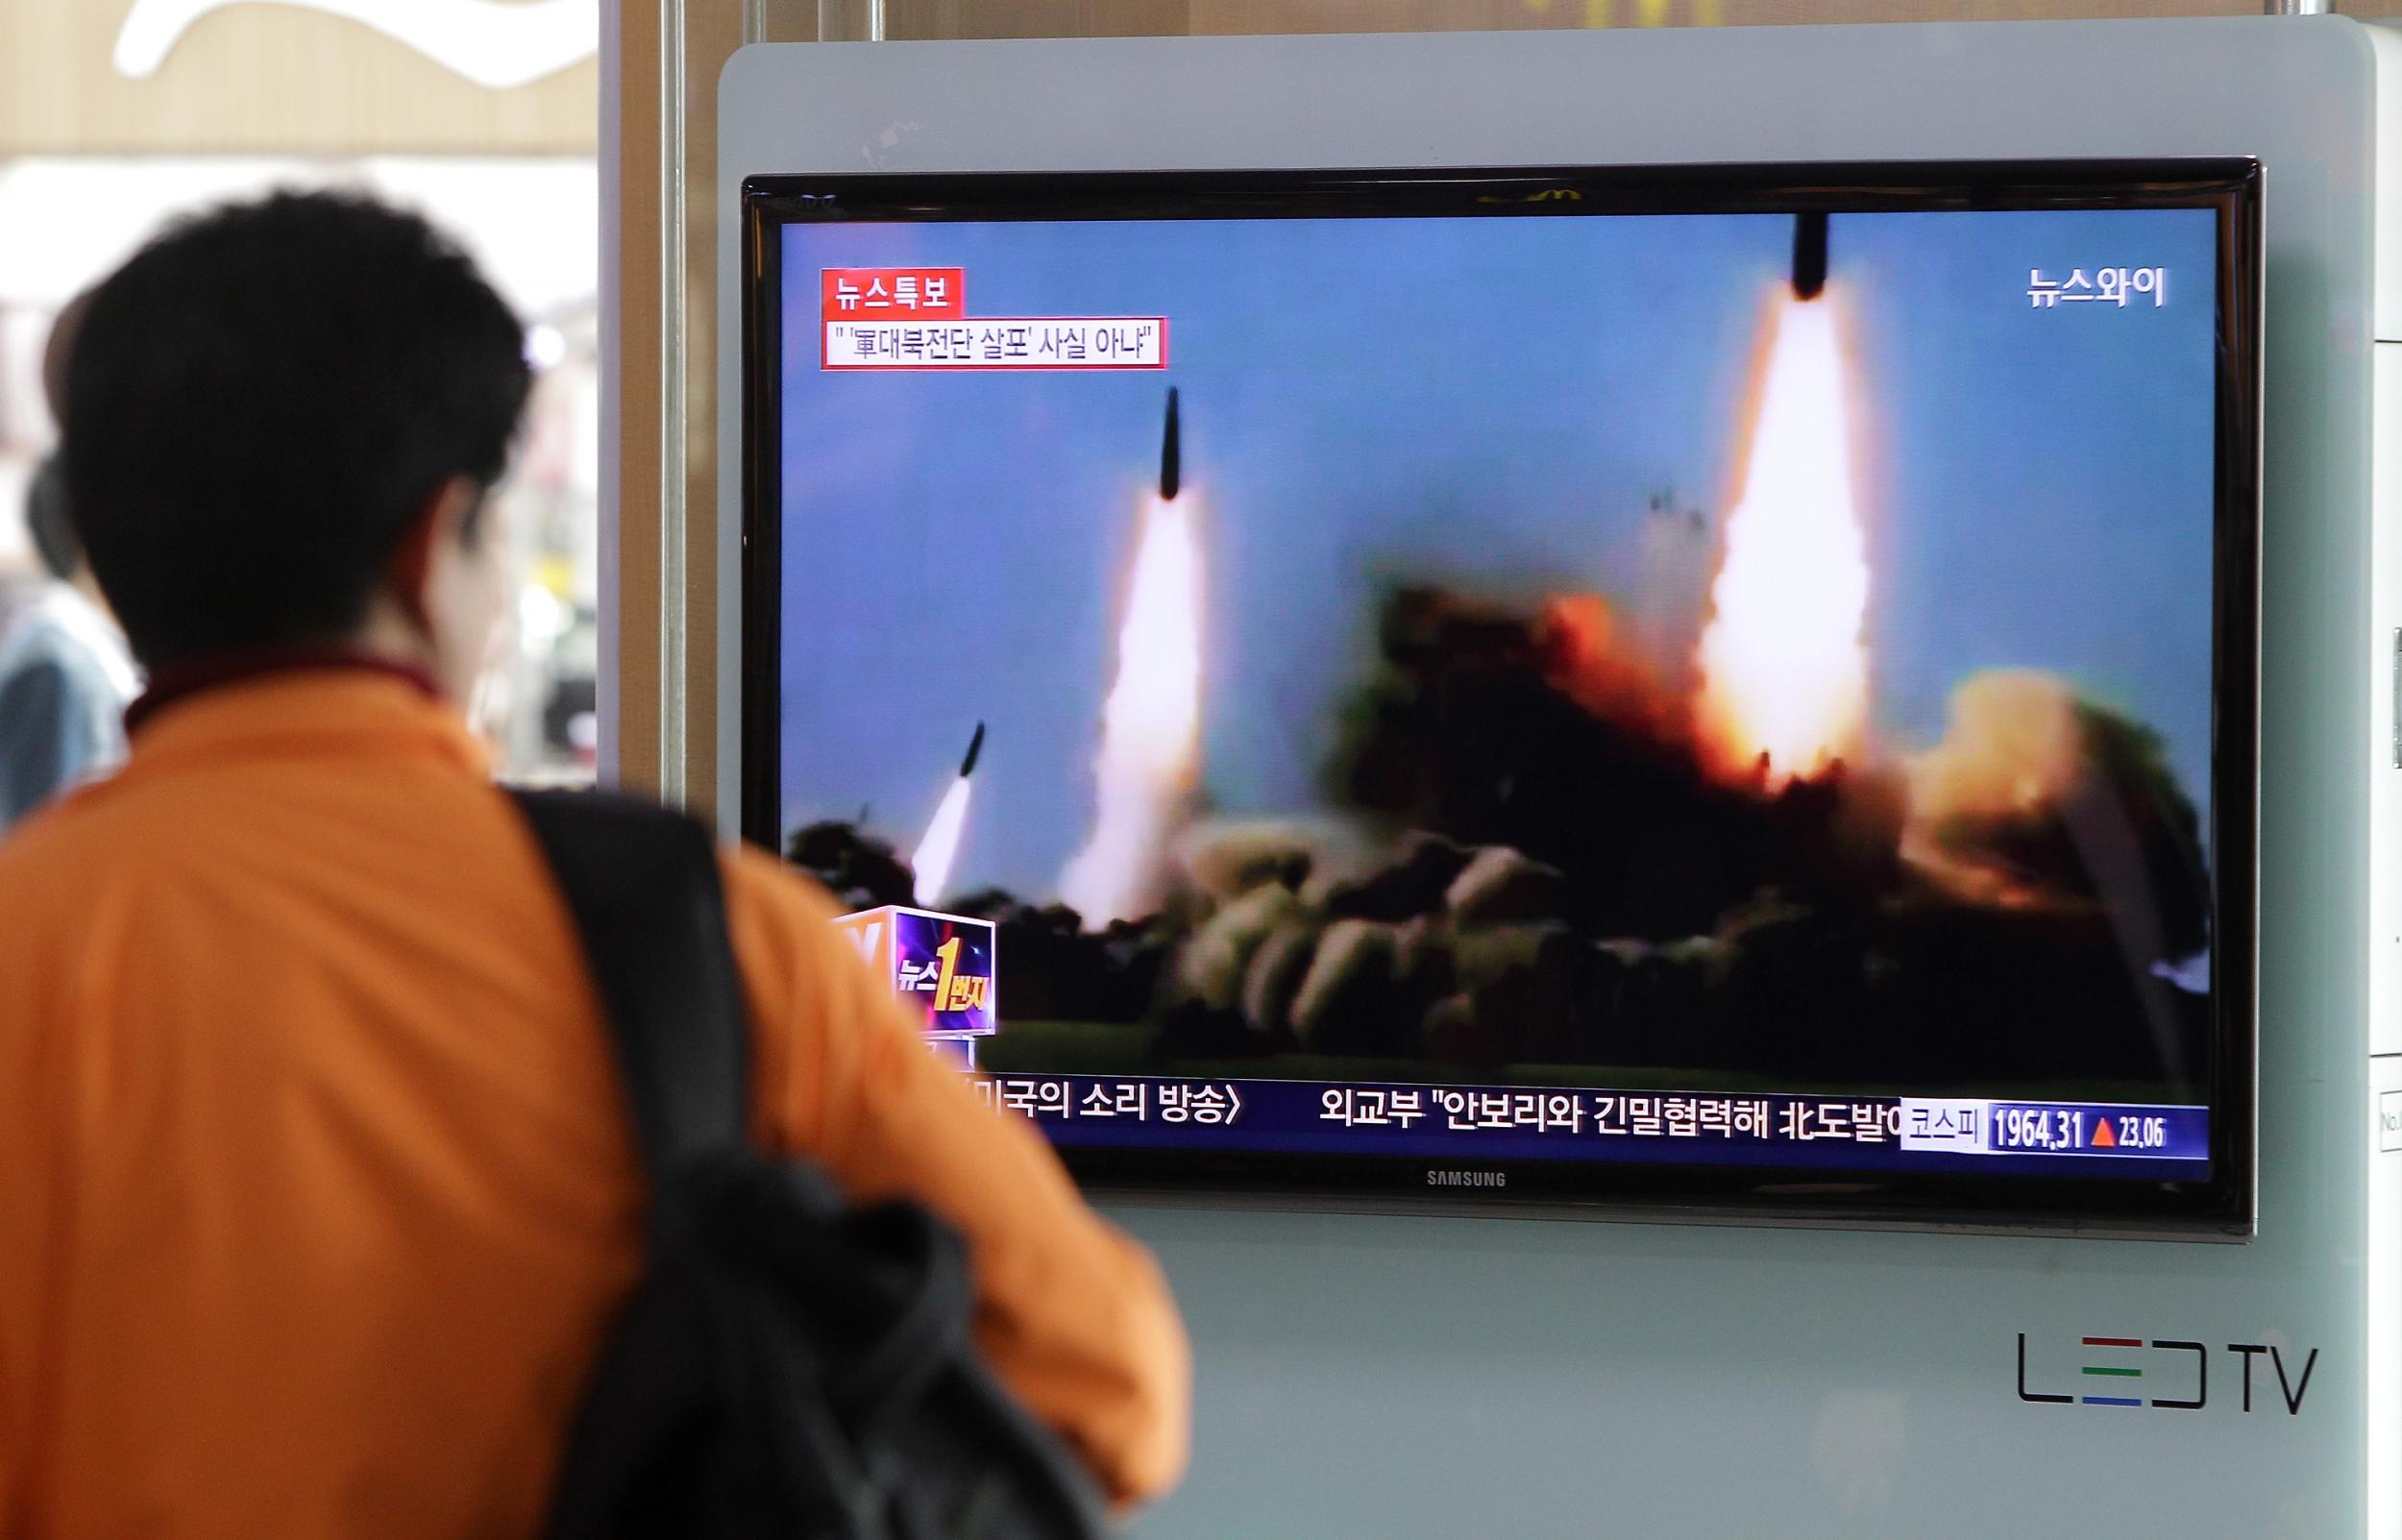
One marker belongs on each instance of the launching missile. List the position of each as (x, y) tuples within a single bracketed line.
[(1172, 457), (1809, 255), (930, 869)]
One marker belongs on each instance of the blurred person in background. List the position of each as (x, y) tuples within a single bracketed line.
[(19, 587), (65, 675)]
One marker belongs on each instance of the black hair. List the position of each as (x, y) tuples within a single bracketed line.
[(46, 521), (259, 406)]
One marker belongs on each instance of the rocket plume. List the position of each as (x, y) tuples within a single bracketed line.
[(1783, 666), (939, 851), (940, 848), (1151, 722), (2012, 747)]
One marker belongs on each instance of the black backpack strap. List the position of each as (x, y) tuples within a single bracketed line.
[(642, 884)]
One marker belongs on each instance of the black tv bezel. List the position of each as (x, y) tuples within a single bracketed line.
[(2223, 1207)]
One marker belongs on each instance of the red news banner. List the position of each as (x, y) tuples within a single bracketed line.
[(916, 318)]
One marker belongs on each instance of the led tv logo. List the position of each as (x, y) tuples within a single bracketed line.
[(2167, 1374)]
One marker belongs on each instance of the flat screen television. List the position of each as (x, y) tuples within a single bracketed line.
[(1717, 691)]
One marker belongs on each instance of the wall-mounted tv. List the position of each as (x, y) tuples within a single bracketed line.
[(1712, 691)]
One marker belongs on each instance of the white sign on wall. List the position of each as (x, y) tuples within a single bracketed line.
[(491, 43)]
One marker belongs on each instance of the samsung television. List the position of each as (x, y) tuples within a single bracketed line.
[(1727, 690)]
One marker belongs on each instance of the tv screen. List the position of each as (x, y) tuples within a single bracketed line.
[(1721, 690)]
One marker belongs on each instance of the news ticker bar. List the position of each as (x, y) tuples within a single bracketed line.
[(1368, 1117)]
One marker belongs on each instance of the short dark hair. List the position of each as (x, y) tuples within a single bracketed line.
[(261, 403)]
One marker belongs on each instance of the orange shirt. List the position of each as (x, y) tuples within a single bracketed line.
[(316, 1191)]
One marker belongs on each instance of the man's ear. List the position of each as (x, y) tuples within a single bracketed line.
[(443, 516)]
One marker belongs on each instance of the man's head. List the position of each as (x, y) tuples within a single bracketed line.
[(281, 420)]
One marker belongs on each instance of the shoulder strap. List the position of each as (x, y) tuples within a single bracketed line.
[(642, 884)]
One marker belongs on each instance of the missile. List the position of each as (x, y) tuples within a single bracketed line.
[(930, 867), (1809, 255), (1171, 455)]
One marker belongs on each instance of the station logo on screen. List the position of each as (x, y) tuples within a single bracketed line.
[(916, 318), (940, 965)]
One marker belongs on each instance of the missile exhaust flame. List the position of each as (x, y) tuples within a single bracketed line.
[(1783, 663), (1149, 760), (939, 851)]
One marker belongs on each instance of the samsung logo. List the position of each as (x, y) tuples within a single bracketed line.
[(1467, 1178)]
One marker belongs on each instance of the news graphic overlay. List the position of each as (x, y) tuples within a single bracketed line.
[(940, 967), (1552, 690), (916, 318)]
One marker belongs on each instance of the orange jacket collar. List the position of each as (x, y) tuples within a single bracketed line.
[(320, 704), (185, 680)]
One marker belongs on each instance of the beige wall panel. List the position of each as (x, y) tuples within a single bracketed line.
[(264, 78)]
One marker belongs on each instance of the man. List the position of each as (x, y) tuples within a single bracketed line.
[(316, 1196), (66, 678)]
